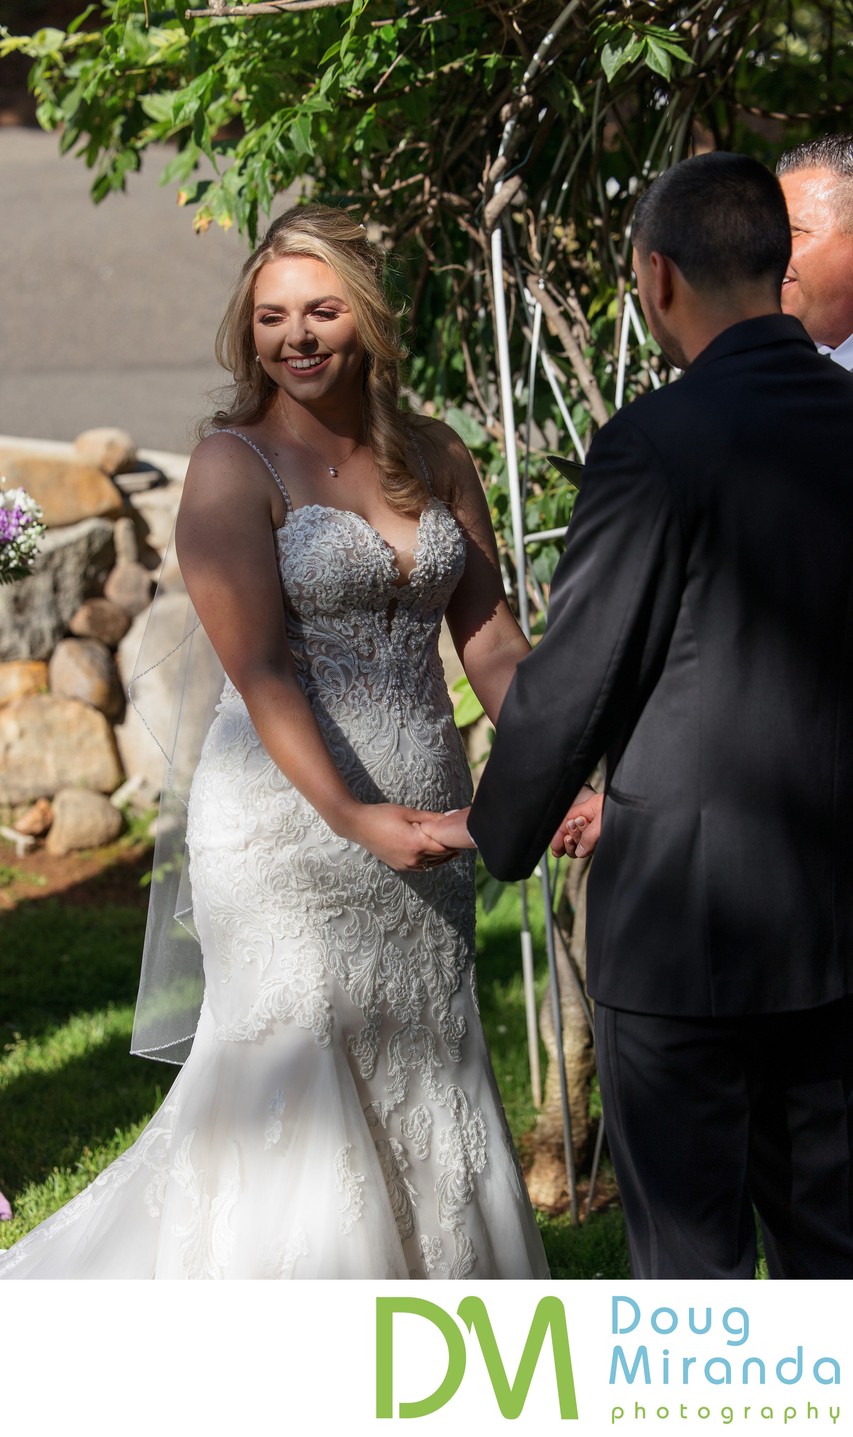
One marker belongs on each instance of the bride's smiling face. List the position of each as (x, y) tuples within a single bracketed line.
[(304, 330)]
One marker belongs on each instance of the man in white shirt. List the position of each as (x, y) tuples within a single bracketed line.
[(817, 180)]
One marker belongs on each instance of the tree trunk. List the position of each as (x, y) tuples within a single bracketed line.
[(547, 1179)]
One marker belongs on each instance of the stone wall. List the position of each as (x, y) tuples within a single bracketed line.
[(72, 752)]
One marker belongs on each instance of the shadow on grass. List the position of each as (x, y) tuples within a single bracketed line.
[(596, 1249), (50, 1118), (69, 967), (72, 953)]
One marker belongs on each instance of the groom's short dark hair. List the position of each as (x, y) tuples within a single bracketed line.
[(720, 217)]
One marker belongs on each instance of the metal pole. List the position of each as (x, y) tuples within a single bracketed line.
[(530, 1001), (508, 419), (517, 517)]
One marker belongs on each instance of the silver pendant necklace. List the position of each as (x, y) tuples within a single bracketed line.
[(332, 468)]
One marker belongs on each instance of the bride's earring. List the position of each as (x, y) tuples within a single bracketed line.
[(257, 359)]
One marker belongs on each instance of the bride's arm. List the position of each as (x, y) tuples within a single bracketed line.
[(226, 549), (485, 633), (488, 640)]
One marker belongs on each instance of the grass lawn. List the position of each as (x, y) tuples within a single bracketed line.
[(72, 1098)]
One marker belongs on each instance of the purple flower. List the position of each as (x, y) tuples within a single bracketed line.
[(10, 524), (21, 527)]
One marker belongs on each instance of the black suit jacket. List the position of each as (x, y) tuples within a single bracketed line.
[(700, 635)]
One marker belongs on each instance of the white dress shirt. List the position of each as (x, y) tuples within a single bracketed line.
[(842, 355)]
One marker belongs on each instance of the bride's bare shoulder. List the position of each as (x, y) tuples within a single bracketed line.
[(447, 455)]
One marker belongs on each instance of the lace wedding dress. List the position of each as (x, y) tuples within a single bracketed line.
[(337, 1116)]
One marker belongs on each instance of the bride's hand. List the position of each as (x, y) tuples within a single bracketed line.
[(450, 829), (395, 835)]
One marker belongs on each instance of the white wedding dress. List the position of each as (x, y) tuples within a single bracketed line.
[(338, 1116)]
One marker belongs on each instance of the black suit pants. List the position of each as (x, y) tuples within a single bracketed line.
[(708, 1118)]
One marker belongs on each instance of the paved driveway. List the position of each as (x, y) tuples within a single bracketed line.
[(108, 311)]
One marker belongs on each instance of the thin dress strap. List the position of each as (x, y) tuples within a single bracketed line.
[(274, 472)]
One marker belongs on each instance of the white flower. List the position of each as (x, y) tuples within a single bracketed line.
[(21, 527)]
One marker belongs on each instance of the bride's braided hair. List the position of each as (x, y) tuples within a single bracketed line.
[(333, 236)]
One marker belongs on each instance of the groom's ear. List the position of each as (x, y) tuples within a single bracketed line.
[(663, 278)]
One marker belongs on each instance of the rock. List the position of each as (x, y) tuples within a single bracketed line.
[(48, 743), (67, 489), (173, 620), (82, 819), (36, 820), (139, 752), (111, 450), (154, 512), (72, 565), (129, 586), (98, 619), (170, 579), (156, 690), (84, 669), (124, 538), (22, 677), (139, 480)]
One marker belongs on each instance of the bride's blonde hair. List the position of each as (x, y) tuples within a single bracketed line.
[(330, 235)]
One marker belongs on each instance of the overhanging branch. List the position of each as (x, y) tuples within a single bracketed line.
[(218, 8)]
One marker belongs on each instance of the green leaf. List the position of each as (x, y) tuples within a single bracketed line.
[(300, 134), (615, 56), (159, 107), (467, 709), (68, 139), (472, 434), (491, 891), (612, 60), (48, 41), (668, 42), (70, 102), (74, 25), (545, 563), (333, 50), (181, 166), (657, 58), (101, 188)]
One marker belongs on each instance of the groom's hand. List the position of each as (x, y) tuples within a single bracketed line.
[(580, 830), (450, 829)]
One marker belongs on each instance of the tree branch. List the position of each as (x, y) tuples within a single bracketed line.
[(220, 9), (559, 326)]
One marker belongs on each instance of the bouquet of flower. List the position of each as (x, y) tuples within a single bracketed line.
[(21, 528)]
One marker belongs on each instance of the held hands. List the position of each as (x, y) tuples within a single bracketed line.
[(398, 836), (411, 839), (450, 829), (580, 830), (577, 835)]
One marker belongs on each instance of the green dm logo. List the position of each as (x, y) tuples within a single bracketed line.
[(510, 1396)]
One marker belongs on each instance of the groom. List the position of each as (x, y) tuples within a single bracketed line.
[(700, 638)]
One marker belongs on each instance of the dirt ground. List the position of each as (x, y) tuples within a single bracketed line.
[(106, 875)]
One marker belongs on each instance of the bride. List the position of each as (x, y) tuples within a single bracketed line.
[(337, 1115)]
